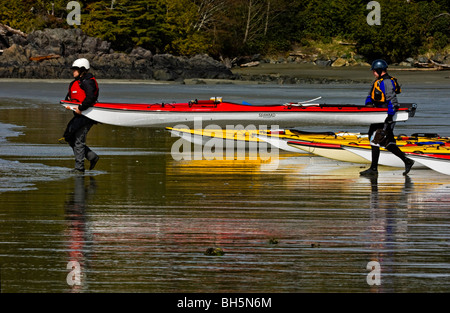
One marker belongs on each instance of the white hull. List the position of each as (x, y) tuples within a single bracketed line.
[(134, 118), (203, 140), (195, 139), (438, 165), (236, 143), (333, 153), (279, 143), (386, 158)]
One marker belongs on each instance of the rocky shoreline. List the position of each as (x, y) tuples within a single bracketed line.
[(49, 53)]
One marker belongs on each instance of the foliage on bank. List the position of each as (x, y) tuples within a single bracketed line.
[(227, 28)]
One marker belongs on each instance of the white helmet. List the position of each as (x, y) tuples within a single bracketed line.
[(81, 63)]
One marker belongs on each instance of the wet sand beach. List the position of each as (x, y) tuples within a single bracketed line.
[(142, 221), (346, 74)]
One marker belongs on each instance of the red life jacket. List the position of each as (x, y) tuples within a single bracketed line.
[(76, 93)]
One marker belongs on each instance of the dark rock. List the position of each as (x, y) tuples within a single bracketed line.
[(162, 74), (17, 39), (447, 59), (54, 50), (10, 36), (324, 62), (439, 58), (141, 53), (66, 42), (422, 59), (206, 67)]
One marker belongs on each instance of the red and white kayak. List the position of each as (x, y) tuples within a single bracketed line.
[(440, 155), (437, 162), (228, 113)]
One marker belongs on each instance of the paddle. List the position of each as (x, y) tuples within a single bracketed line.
[(304, 103)]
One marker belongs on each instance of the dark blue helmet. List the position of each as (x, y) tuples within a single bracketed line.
[(379, 65)]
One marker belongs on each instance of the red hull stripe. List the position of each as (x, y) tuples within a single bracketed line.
[(316, 144), (433, 155)]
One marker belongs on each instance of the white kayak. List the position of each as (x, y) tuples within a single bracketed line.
[(279, 143), (386, 158), (438, 163), (328, 150)]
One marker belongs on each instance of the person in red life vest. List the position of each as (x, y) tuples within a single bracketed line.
[(84, 90), (383, 94)]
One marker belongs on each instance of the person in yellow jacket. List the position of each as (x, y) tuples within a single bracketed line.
[(83, 90), (384, 94)]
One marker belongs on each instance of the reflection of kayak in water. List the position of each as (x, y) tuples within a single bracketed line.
[(228, 113)]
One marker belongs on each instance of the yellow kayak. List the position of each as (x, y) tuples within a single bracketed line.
[(361, 153), (280, 138), (346, 138)]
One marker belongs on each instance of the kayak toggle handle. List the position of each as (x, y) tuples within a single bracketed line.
[(204, 103)]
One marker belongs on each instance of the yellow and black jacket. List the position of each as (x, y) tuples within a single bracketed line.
[(384, 93)]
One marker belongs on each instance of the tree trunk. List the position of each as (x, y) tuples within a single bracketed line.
[(266, 26), (247, 27)]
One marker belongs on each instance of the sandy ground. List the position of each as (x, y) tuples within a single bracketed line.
[(354, 73), (307, 73)]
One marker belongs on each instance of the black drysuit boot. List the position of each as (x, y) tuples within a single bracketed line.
[(396, 151), (373, 170)]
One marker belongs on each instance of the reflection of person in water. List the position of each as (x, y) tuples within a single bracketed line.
[(78, 235), (385, 233)]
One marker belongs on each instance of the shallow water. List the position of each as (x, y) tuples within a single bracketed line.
[(142, 221)]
